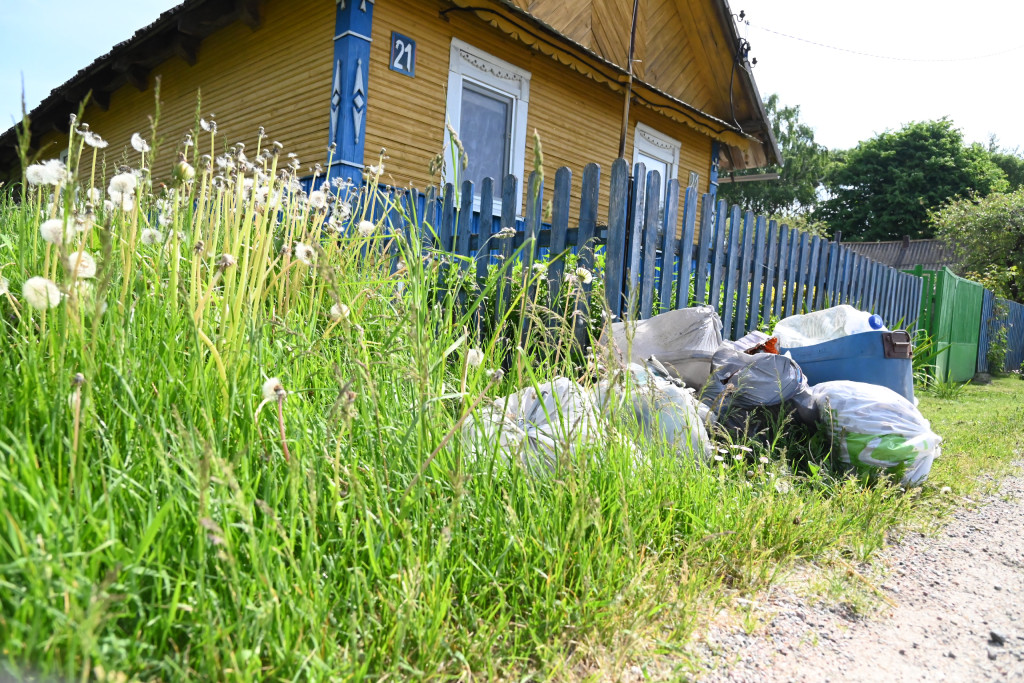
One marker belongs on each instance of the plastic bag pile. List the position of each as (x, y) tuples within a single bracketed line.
[(677, 376)]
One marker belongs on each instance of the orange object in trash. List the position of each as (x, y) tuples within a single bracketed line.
[(770, 345)]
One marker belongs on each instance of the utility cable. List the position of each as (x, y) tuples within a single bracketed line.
[(887, 57)]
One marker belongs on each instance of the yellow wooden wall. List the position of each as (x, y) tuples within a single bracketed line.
[(278, 77), (577, 118)]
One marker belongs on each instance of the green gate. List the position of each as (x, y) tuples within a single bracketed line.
[(951, 313)]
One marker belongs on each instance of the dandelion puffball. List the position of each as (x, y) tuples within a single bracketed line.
[(474, 358), (53, 230), (50, 172), (273, 390), (304, 253), (122, 183), (81, 264), (93, 140), (584, 275), (366, 228), (138, 144), (318, 199), (339, 311), (40, 293), (151, 236)]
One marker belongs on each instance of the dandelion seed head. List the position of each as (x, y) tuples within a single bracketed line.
[(81, 264), (139, 144), (318, 199), (540, 268), (151, 236), (225, 261), (304, 253), (40, 293), (273, 390), (122, 183), (339, 311), (93, 140), (366, 228), (584, 275), (53, 231), (5, 286), (49, 172), (474, 358)]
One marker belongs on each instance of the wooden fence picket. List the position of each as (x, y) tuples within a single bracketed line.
[(652, 206), (615, 249), (669, 246), (700, 280), (559, 230), (757, 282), (685, 246), (780, 272), (742, 288), (732, 264), (585, 237), (718, 257)]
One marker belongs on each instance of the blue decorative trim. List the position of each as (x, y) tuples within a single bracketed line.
[(349, 91)]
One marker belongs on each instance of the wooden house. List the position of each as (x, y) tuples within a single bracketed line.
[(389, 74)]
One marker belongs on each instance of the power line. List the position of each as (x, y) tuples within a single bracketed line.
[(887, 57)]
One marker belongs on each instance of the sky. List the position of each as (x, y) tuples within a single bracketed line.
[(928, 59)]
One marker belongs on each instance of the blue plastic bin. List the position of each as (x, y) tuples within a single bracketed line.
[(882, 358)]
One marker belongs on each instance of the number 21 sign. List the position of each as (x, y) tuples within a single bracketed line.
[(403, 54)]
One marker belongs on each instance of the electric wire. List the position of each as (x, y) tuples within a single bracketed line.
[(886, 57)]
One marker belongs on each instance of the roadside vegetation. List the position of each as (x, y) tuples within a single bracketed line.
[(230, 449)]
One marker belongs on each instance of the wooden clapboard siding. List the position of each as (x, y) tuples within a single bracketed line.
[(278, 77), (578, 119)]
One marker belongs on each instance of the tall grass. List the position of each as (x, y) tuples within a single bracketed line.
[(168, 512)]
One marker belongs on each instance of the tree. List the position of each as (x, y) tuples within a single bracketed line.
[(988, 237), (803, 168), (883, 188), (1010, 161)]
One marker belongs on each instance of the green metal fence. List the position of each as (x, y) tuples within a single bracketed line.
[(951, 313)]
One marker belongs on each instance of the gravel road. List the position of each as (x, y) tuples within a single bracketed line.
[(953, 611)]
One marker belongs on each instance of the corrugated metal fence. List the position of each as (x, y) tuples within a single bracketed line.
[(1001, 315), (748, 267)]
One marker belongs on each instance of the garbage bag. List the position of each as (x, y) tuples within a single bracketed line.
[(824, 325), (535, 426), (875, 429), (741, 382), (683, 340), (663, 408)]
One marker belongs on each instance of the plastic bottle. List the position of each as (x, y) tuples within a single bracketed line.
[(821, 326)]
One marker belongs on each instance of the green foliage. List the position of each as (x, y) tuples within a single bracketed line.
[(884, 187), (801, 174), (987, 235), (1010, 161)]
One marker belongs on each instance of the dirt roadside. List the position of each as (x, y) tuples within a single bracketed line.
[(953, 611)]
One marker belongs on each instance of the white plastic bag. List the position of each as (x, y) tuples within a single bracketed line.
[(663, 409), (535, 426), (684, 341), (824, 325), (876, 429)]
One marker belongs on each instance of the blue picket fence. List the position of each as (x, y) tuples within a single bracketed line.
[(747, 267), (1001, 314)]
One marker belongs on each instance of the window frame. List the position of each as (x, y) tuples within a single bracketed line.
[(657, 145), (486, 71)]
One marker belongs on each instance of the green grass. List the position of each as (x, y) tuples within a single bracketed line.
[(152, 527)]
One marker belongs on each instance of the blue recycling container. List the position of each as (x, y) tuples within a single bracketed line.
[(882, 358)]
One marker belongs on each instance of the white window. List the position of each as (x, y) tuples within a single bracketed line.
[(487, 107), (658, 152)]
